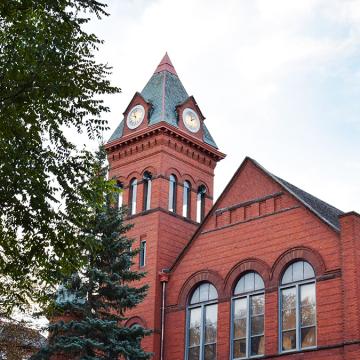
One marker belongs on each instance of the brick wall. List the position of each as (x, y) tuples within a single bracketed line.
[(258, 226)]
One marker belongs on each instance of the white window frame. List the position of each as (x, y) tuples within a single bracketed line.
[(201, 305), (142, 261), (133, 191), (186, 199), (147, 194), (297, 285), (172, 193), (248, 337)]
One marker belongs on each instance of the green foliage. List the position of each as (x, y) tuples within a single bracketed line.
[(49, 81), (99, 294)]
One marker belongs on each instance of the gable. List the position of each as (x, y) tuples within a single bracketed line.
[(249, 183), (252, 193)]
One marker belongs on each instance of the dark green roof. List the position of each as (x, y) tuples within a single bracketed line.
[(175, 94)]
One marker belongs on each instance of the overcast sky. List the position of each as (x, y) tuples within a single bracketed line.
[(277, 80)]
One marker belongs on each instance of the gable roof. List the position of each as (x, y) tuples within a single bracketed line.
[(325, 212), (164, 91)]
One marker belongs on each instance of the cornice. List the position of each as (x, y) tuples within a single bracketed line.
[(135, 149), (164, 127)]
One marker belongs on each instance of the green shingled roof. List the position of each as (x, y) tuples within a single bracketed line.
[(175, 94)]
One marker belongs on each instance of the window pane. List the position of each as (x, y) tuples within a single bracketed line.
[(212, 292), (198, 208), (195, 317), (288, 298), (239, 348), (257, 325), (195, 297), (249, 282), (240, 307), (204, 292), (307, 294), (210, 352), (308, 337), (211, 314), (194, 353), (240, 286), (239, 328), (194, 336), (171, 195), (289, 340), (210, 333), (289, 319), (308, 271), (298, 271), (257, 345), (257, 304), (308, 315), (287, 277), (259, 282)]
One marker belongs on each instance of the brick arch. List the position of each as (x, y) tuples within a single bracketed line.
[(137, 319), (297, 253), (201, 182), (173, 171), (151, 169), (244, 266), (199, 277), (121, 178), (188, 178), (134, 174)]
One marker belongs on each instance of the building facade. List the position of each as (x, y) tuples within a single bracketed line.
[(268, 271)]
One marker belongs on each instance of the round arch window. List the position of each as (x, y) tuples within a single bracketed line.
[(297, 302), (248, 317), (202, 323)]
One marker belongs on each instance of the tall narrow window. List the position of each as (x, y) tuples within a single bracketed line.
[(147, 189), (200, 203), (186, 201), (172, 193), (248, 308), (202, 323), (133, 189), (298, 307), (142, 253), (120, 185)]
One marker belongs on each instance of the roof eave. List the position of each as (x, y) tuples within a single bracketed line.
[(153, 128)]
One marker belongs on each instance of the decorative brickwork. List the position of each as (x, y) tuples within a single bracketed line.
[(260, 223)]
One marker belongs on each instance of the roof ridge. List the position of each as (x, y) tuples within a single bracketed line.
[(309, 201)]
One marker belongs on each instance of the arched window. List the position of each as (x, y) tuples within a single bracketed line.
[(200, 203), (133, 188), (120, 185), (298, 307), (147, 189), (202, 323), (172, 193), (248, 319), (186, 201)]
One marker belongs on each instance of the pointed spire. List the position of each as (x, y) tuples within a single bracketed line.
[(167, 65)]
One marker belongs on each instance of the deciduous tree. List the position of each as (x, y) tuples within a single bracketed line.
[(49, 81)]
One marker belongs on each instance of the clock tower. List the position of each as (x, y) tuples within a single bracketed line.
[(164, 157)]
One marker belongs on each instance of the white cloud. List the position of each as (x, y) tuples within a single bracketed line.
[(277, 80)]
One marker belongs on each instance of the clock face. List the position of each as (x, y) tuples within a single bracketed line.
[(135, 116), (191, 120)]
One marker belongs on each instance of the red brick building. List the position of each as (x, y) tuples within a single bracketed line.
[(268, 271)]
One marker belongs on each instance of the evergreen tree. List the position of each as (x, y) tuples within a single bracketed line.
[(100, 294)]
